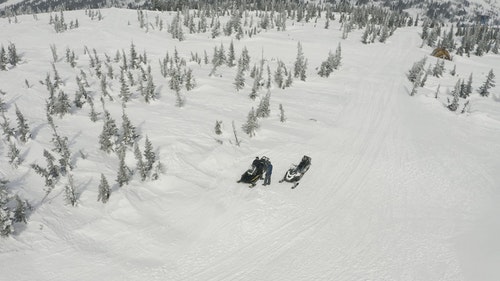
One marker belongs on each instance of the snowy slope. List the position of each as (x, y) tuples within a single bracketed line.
[(400, 188)]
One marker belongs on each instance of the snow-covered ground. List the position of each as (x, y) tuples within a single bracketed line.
[(400, 188)]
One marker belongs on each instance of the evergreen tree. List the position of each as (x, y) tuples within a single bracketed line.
[(453, 106), (50, 173), (21, 210), (239, 81), (263, 109), (71, 196), (104, 190), (124, 173), (245, 59), (3, 58), (14, 155), (150, 90), (416, 70), (129, 135), (6, 215), (326, 67), (124, 89), (62, 104), (467, 88), (488, 84), (252, 124), (149, 156), (62, 148), (141, 168), (438, 69), (13, 56), (8, 131), (300, 65), (133, 57), (23, 130), (190, 81), (231, 57), (279, 74), (109, 133)]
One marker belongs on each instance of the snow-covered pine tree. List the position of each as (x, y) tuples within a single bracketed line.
[(62, 148), (6, 215), (140, 166), (124, 89), (150, 90), (438, 69), (149, 156), (467, 89), (279, 74), (453, 106), (128, 135), (416, 70), (109, 134), (263, 110), (50, 173), (300, 65), (190, 81), (245, 59), (62, 104), (14, 155), (104, 190), (124, 173), (487, 85), (337, 57), (3, 58), (23, 130), (8, 131), (21, 210), (133, 61), (12, 54), (326, 67), (92, 114), (231, 56), (239, 80), (252, 123), (71, 196)]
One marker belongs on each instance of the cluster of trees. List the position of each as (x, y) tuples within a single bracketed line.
[(418, 74), (9, 58), (60, 24), (13, 209), (468, 39)]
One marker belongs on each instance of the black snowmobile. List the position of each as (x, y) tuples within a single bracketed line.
[(296, 172), (255, 172)]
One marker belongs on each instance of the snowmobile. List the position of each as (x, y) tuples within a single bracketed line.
[(296, 172), (254, 173)]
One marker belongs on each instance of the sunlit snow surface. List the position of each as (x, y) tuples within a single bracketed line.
[(400, 188)]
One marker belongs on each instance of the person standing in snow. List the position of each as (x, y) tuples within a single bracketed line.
[(269, 172)]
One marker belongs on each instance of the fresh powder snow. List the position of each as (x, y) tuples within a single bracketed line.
[(400, 188)]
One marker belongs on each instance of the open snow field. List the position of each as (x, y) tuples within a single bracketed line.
[(400, 188)]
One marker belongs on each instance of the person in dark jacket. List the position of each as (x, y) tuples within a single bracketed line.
[(269, 172)]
